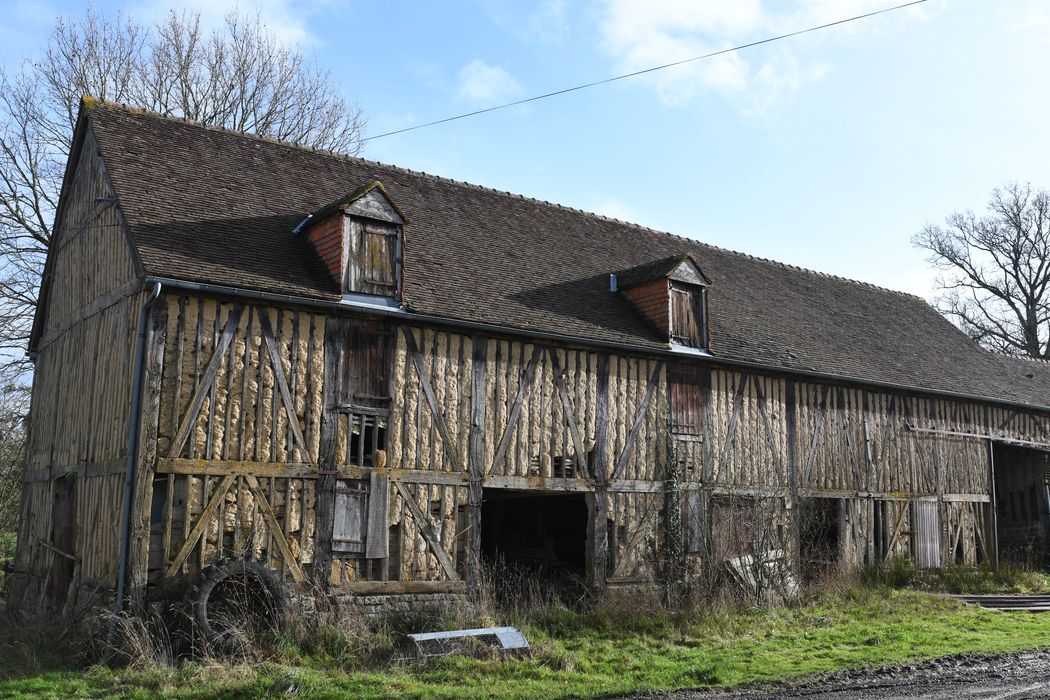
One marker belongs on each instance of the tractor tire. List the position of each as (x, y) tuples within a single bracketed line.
[(235, 600)]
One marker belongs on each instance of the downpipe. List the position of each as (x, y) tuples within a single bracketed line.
[(133, 443)]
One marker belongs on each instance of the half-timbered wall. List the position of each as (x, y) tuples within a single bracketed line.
[(81, 387), (242, 465), (238, 422)]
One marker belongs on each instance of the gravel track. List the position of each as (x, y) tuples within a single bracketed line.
[(1017, 676)]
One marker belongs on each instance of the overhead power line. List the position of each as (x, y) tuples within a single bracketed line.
[(645, 70)]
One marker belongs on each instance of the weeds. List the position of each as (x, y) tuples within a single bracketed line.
[(629, 641)]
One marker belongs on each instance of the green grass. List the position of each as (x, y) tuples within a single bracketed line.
[(587, 654)]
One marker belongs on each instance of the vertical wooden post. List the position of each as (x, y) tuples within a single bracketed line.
[(993, 511), (324, 498), (598, 501), (791, 420), (142, 494), (476, 464)]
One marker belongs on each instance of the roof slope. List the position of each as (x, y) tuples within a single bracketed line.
[(209, 205)]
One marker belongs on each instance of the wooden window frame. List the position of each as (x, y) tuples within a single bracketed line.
[(697, 296), (361, 233)]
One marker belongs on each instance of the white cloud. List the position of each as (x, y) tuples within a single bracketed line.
[(642, 35), (485, 85)]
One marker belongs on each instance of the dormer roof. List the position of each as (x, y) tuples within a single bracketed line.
[(370, 201), (682, 268)]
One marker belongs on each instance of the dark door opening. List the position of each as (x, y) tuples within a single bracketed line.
[(537, 533), (63, 540), (818, 536), (1022, 505)]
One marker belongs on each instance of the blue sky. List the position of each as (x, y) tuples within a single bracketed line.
[(826, 151)]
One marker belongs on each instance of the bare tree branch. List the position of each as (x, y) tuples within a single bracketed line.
[(238, 76), (996, 282)]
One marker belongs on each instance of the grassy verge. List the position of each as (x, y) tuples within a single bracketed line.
[(577, 654)]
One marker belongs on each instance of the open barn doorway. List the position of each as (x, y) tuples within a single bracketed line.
[(1022, 505), (533, 543)]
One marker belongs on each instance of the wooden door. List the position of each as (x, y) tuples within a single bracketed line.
[(63, 539)]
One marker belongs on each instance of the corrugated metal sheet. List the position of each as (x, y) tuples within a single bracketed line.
[(927, 529)]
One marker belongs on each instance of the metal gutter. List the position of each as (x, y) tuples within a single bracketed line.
[(291, 299), (133, 440)]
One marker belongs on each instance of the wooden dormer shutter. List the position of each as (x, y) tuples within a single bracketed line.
[(687, 314), (375, 256)]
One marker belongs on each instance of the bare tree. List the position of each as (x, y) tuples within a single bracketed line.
[(238, 76), (996, 270), (14, 404)]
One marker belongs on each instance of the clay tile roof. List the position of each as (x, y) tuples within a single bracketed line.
[(210, 205)]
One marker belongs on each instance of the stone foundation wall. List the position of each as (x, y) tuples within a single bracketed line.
[(373, 607)]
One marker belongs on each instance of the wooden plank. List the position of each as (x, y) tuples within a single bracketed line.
[(200, 526), (760, 395), (336, 332), (447, 444), (282, 383), (515, 411), (275, 528), (207, 379), (403, 587), (111, 298), (821, 419), (223, 467), (377, 537), (146, 456), (597, 546), (734, 419), (570, 412), (542, 483), (476, 464), (427, 531), (639, 417)]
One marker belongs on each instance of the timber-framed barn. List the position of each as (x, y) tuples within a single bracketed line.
[(370, 379)]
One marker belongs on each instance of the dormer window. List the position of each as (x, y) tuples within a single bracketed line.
[(360, 239), (672, 295), (687, 314)]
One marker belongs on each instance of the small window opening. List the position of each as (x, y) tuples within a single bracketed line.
[(367, 435)]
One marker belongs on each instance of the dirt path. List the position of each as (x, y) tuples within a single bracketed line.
[(1019, 676)]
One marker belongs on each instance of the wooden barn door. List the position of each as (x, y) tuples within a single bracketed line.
[(927, 534), (63, 540)]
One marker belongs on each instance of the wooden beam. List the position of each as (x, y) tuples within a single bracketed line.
[(207, 379), (738, 405), (110, 298), (336, 338), (515, 411), (569, 410), (282, 383), (447, 443), (222, 467), (427, 531), (539, 483), (822, 417), (403, 587), (639, 418), (276, 533), (199, 527), (476, 463), (146, 457)]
